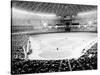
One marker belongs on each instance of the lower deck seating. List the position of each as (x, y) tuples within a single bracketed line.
[(85, 62)]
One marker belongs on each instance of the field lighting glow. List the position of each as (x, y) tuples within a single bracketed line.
[(18, 13), (94, 12)]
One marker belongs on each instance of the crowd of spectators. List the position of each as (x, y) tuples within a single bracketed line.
[(88, 61)]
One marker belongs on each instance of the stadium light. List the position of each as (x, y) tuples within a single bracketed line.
[(18, 12), (88, 13)]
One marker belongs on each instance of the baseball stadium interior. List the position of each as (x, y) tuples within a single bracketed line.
[(60, 26)]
